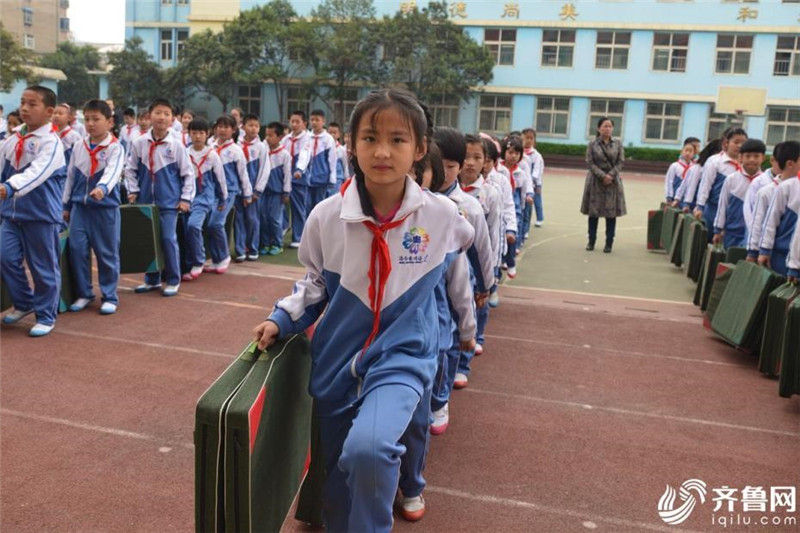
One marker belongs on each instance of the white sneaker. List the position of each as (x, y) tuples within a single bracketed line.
[(527, 235), (146, 287), (412, 509), (15, 316), (294, 245), (108, 308), (494, 299), (79, 304), (40, 330), (461, 381), (512, 272), (478, 349), (539, 223), (240, 258), (170, 290), (252, 257), (196, 271), (223, 265), (441, 419)]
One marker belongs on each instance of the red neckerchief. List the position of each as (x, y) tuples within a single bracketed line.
[(345, 185), (316, 142), (151, 155), (276, 150), (63, 132), (751, 178), (93, 154), (199, 172), (293, 139), (20, 146), (685, 168), (221, 147), (736, 165), (470, 188), (246, 148), (511, 175)]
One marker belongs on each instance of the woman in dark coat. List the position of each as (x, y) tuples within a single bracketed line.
[(603, 195)]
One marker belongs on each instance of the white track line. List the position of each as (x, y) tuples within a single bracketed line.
[(613, 351), (61, 330), (620, 411), (602, 295), (99, 429), (507, 502)]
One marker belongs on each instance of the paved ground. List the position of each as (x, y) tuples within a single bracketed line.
[(584, 407)]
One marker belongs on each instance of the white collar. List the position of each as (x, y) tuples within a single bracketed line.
[(413, 199)]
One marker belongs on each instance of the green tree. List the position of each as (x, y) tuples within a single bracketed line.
[(263, 39), (14, 61), (135, 79), (75, 62), (206, 64), (426, 52)]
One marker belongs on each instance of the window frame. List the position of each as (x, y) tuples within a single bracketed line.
[(553, 112), (497, 54), (494, 109), (445, 104), (613, 47), (179, 43), (247, 102), (785, 123), (29, 41), (663, 117), (734, 50), (170, 42), (618, 118), (672, 48), (794, 56), (27, 16), (303, 98), (716, 118), (558, 44)]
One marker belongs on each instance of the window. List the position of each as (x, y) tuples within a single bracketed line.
[(166, 45), (250, 99), (612, 109), (27, 16), (787, 56), (501, 44), (558, 47), (28, 41), (297, 99), (64, 4), (669, 51), (733, 53), (783, 124), (612, 49), (182, 36), (552, 115), (166, 2), (445, 111), (663, 121), (494, 113), (717, 122), (63, 24), (183, 2), (343, 110)]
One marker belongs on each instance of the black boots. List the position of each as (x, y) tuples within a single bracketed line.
[(607, 248), (590, 246)]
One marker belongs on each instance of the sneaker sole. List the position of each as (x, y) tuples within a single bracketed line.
[(412, 516), (460, 384), (438, 430)]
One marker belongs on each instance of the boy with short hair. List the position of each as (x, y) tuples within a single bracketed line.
[(342, 163), (247, 222), (322, 160), (32, 172), (143, 121), (91, 206), (12, 123), (677, 171), (730, 227), (537, 175), (158, 172), (761, 199), (297, 144), (211, 193), (277, 191), (186, 118), (129, 123), (69, 137), (781, 218)]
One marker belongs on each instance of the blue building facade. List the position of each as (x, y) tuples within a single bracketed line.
[(657, 67)]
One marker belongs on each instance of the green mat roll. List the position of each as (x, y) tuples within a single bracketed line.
[(698, 237), (668, 226), (720, 284), (67, 294), (676, 246), (734, 254), (140, 239), (789, 383), (655, 219), (774, 323), (714, 255)]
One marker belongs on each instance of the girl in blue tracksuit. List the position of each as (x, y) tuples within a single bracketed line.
[(373, 254), (714, 173), (730, 227), (781, 218)]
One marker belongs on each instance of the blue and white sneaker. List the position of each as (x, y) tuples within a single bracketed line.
[(40, 330), (146, 287), (170, 290), (15, 316), (108, 308), (79, 304)]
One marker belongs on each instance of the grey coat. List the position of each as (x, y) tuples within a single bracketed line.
[(600, 200)]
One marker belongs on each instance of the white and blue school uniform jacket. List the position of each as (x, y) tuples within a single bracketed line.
[(480, 255), (258, 164), (34, 180), (69, 139), (536, 166), (159, 172), (322, 160), (489, 199), (687, 190), (730, 212), (342, 164), (343, 260), (126, 135), (793, 261), (235, 166), (280, 174), (176, 125), (756, 228), (503, 184), (780, 222), (676, 175), (210, 184), (764, 178), (185, 138), (715, 171), (297, 146), (79, 128), (109, 156)]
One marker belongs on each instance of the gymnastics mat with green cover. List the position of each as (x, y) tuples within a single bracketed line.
[(668, 227), (209, 442), (686, 240), (140, 239), (676, 246), (309, 500), (655, 219), (790, 353), (774, 324), (739, 318), (67, 295), (714, 255), (267, 433), (721, 278), (698, 237), (698, 289), (734, 254)]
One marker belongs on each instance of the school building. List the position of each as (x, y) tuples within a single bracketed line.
[(662, 69)]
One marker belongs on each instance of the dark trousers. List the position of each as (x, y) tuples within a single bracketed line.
[(611, 229)]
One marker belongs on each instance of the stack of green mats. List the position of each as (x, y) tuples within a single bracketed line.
[(67, 295), (735, 254), (309, 500), (676, 246), (668, 226), (698, 237), (739, 318), (774, 323), (790, 353), (252, 434), (712, 257), (686, 241), (140, 239), (720, 282), (654, 221), (698, 289)]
